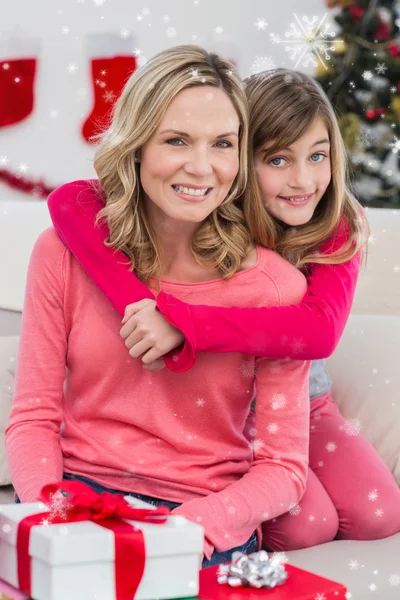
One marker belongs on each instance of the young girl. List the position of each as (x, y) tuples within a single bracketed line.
[(299, 161)]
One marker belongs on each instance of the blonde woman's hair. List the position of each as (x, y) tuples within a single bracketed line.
[(223, 238), (283, 104)]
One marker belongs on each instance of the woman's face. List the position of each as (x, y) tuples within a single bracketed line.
[(189, 164), (293, 180)]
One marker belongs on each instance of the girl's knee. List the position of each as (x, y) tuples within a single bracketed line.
[(294, 532), (376, 526)]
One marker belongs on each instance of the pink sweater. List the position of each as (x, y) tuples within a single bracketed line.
[(310, 330), (84, 406)]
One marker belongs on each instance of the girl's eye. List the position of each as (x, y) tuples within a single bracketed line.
[(224, 143), (275, 161), (318, 155), (174, 141)]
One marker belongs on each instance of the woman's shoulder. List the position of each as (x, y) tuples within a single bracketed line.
[(47, 259), (289, 281), (48, 246)]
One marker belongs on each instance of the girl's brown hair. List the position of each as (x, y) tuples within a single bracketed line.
[(283, 104)]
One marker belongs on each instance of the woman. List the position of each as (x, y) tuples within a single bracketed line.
[(170, 167)]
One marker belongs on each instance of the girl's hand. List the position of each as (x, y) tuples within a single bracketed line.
[(148, 334)]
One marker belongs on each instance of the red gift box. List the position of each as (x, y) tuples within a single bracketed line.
[(300, 585)]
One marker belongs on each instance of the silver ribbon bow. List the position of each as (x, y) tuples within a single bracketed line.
[(255, 570)]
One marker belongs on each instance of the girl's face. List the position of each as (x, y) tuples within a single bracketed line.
[(190, 163), (293, 180)]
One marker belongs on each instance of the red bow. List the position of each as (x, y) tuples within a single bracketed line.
[(84, 504)]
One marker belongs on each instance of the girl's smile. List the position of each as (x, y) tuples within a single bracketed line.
[(293, 180)]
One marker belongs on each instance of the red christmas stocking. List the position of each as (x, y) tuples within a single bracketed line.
[(17, 78), (112, 64)]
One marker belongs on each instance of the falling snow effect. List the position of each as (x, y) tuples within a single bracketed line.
[(295, 510), (373, 496), (58, 506), (247, 368), (365, 139), (278, 401), (262, 63), (261, 24), (394, 579), (381, 68), (395, 145), (352, 427), (367, 75), (308, 41), (273, 428), (256, 445)]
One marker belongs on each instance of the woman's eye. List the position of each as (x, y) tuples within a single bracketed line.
[(319, 156), (275, 162), (174, 141), (224, 144)]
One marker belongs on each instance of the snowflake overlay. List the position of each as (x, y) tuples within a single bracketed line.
[(247, 369), (381, 68), (262, 63), (394, 579), (365, 139), (309, 39), (395, 145), (372, 496), (295, 510), (59, 506), (278, 401), (352, 427)]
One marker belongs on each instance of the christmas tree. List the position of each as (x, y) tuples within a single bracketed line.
[(362, 80)]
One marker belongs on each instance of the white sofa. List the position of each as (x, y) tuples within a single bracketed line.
[(365, 370)]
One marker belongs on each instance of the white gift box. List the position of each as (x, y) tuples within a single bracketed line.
[(76, 560)]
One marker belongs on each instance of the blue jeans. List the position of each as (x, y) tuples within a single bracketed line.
[(217, 558)]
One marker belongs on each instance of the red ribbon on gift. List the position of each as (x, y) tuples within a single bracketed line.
[(105, 509)]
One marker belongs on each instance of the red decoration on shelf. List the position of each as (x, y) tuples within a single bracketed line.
[(107, 89), (17, 82), (28, 186)]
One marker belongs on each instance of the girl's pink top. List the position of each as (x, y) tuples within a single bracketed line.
[(310, 330), (84, 406)]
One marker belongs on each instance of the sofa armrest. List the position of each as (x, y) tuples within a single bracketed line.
[(8, 359), (365, 371)]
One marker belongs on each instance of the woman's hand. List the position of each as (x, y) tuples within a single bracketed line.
[(148, 334)]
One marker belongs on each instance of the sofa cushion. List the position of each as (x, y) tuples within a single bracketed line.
[(378, 286), (8, 356), (365, 371), (21, 223), (10, 322)]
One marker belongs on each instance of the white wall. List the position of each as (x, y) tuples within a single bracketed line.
[(49, 142)]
